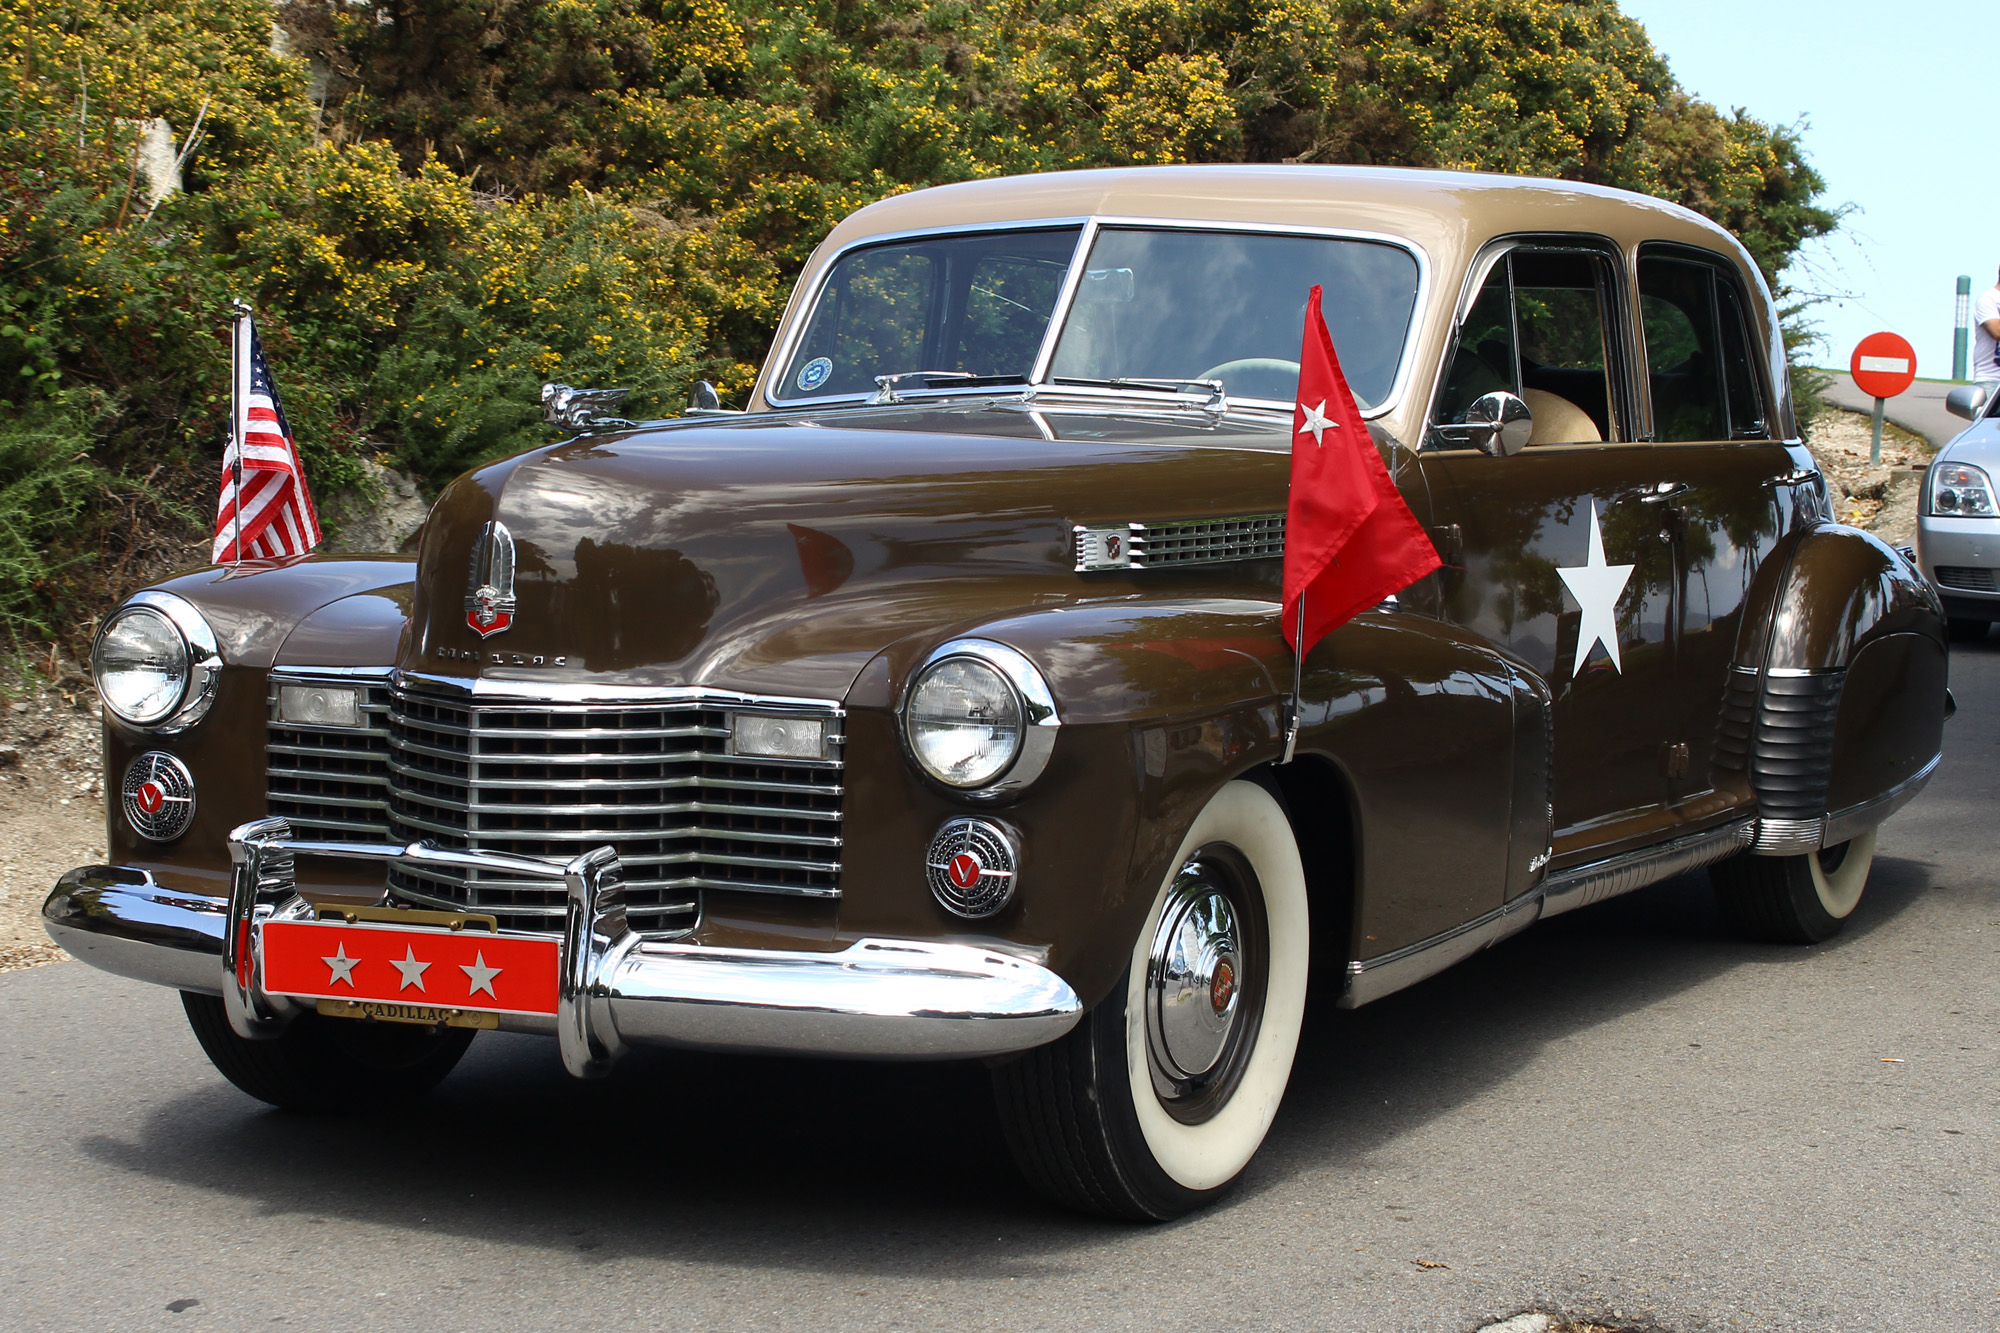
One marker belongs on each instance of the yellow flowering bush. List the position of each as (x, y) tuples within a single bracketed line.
[(436, 205)]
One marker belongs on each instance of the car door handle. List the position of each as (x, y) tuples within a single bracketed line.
[(1665, 493)]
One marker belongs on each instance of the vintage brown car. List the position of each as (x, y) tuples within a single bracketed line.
[(935, 706)]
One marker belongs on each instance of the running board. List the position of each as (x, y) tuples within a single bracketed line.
[(1564, 891)]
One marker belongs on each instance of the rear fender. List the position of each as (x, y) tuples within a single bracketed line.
[(1836, 700)]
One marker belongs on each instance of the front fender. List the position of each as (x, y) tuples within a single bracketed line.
[(319, 611), (1421, 770)]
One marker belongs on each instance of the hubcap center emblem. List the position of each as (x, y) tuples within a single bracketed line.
[(964, 870)]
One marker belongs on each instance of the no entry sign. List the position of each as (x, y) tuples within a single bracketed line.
[(1883, 365)]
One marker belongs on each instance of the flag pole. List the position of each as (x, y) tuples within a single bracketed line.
[(1298, 683), (239, 392)]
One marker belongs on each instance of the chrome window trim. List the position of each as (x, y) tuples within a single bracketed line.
[(1091, 226), (204, 661), (1038, 716)]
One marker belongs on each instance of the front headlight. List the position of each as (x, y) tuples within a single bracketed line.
[(980, 718), (156, 662), (1959, 490)]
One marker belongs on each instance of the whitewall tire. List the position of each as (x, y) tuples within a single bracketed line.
[(1157, 1101)]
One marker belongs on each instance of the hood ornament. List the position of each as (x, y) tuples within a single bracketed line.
[(489, 588)]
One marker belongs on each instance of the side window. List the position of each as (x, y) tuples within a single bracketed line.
[(1484, 359), (1748, 419), (1538, 328), (1698, 364)]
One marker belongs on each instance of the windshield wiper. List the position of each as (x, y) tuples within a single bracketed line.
[(1217, 404), (885, 385)]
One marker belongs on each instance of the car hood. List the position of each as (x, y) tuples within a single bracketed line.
[(1978, 444), (777, 554)]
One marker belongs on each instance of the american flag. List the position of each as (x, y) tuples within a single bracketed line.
[(265, 511)]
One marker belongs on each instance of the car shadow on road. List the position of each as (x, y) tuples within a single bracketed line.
[(896, 1169)]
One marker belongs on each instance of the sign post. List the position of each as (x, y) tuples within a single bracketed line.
[(1961, 326), (1883, 365)]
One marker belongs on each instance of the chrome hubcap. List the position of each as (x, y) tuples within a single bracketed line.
[(1194, 978)]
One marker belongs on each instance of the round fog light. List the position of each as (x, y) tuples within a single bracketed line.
[(159, 796), (971, 867)]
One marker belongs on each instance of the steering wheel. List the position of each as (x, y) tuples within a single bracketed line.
[(1256, 376)]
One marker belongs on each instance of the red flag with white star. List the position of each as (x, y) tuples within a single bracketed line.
[(1350, 541)]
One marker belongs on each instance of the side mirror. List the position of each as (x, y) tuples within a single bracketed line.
[(1967, 400), (704, 401), (1500, 423)]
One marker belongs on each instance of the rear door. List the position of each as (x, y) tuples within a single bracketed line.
[(1711, 417)]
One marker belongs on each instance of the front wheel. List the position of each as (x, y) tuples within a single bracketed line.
[(1156, 1101), (1794, 899), (328, 1064), (1967, 631)]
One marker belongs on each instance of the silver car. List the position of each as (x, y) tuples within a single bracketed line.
[(1958, 520)]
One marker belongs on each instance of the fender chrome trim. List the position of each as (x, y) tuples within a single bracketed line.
[(875, 999), (1857, 819)]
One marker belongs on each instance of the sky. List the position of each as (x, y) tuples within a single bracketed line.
[(1900, 108)]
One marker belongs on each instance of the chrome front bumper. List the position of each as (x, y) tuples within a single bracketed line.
[(875, 999)]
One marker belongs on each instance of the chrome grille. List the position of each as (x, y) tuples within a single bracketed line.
[(331, 782), (1965, 578), (1210, 541), (653, 779)]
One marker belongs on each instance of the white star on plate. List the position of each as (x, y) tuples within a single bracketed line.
[(1316, 421), (1596, 587), (412, 970), (341, 966), (480, 975)]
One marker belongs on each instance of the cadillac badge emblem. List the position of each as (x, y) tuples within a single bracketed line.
[(489, 588)]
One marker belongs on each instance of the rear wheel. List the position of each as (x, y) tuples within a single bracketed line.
[(1968, 631), (1156, 1101), (328, 1064), (1794, 899)]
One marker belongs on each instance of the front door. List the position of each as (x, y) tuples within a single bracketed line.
[(1567, 554)]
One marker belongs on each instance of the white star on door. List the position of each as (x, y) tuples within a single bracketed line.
[(412, 970), (1596, 587), (478, 975), (1316, 421), (340, 965)]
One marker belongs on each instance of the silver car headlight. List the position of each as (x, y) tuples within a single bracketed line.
[(156, 662), (1960, 490), (979, 717)]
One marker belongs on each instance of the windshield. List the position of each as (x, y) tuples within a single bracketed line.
[(1152, 304), (969, 305), (1230, 306)]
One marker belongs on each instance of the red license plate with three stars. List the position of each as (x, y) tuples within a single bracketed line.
[(389, 964)]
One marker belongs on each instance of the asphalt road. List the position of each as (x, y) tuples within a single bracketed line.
[(1919, 408), (1621, 1112)]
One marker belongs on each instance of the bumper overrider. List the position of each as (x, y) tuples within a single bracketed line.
[(612, 988)]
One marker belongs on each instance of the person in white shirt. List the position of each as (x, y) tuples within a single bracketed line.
[(1986, 336)]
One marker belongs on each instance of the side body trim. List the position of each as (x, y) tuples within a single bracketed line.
[(1370, 979)]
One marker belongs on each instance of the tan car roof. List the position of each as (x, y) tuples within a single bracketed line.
[(1447, 214)]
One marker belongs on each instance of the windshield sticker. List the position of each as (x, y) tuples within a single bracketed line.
[(815, 373)]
